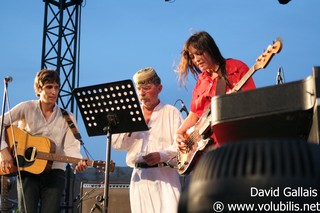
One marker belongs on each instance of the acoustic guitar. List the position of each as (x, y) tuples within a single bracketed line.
[(35, 154), (197, 137)]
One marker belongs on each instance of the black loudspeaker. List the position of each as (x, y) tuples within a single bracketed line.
[(92, 198), (281, 111), (271, 174)]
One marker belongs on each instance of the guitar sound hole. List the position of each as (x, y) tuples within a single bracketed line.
[(30, 154)]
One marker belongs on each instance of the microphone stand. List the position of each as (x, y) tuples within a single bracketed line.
[(279, 78), (4, 204), (5, 94)]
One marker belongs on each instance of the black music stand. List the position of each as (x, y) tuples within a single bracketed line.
[(107, 109)]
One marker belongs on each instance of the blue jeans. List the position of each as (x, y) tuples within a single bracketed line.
[(42, 192)]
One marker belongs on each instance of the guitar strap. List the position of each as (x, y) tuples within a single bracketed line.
[(221, 85), (71, 125)]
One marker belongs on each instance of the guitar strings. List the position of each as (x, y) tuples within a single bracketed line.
[(194, 135)]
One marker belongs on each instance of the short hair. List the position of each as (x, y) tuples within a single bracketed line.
[(43, 77)]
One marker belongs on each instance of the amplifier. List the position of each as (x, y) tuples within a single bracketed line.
[(92, 198)]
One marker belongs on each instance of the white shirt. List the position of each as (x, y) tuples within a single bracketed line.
[(153, 189), (28, 116)]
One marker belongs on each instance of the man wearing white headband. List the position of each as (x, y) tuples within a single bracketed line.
[(154, 187)]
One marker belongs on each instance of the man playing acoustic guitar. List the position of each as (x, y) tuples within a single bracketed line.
[(43, 118)]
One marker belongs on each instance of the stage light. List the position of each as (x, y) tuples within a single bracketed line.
[(284, 1)]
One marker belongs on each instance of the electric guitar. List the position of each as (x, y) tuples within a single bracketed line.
[(35, 154), (198, 136)]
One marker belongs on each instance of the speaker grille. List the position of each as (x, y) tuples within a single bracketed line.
[(267, 158), (235, 172)]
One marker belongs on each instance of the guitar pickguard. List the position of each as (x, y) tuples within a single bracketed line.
[(187, 160)]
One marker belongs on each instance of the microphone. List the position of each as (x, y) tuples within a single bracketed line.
[(94, 207), (99, 198), (184, 108), (8, 79), (279, 78), (85, 195)]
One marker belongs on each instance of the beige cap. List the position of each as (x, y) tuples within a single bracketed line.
[(146, 76)]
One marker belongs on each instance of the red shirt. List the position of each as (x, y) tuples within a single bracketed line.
[(205, 87)]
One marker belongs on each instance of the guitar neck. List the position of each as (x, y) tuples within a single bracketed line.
[(244, 79), (60, 158)]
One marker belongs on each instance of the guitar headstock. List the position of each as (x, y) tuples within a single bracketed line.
[(101, 165), (264, 59)]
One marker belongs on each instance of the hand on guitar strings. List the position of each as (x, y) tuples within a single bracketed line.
[(180, 140), (6, 160)]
